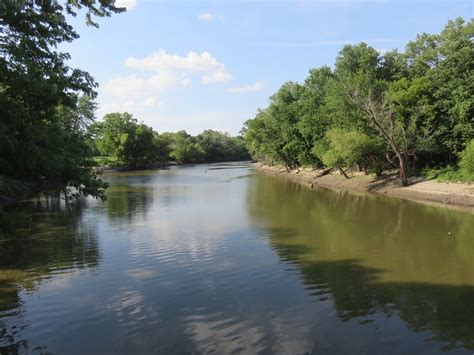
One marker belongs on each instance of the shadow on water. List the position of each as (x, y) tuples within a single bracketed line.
[(38, 239), (375, 258), (187, 267), (443, 310)]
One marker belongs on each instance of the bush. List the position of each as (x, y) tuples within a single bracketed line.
[(345, 148), (466, 163)]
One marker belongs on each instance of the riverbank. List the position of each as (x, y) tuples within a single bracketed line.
[(107, 170), (452, 195)]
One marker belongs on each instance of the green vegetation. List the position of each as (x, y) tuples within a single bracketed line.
[(374, 111), (465, 173), (48, 138), (466, 163), (348, 148), (120, 137), (45, 105), (122, 141)]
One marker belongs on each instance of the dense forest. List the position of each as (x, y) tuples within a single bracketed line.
[(374, 112), (48, 134), (120, 140)]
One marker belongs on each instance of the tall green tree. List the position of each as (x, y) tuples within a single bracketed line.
[(446, 60), (219, 146), (314, 119), (416, 107), (36, 150), (285, 114), (136, 145), (184, 149)]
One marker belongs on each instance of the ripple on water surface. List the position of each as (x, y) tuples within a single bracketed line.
[(214, 258)]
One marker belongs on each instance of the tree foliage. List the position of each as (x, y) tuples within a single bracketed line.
[(408, 110), (343, 148), (466, 162), (42, 99), (137, 145)]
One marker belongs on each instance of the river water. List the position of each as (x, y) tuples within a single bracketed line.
[(218, 258)]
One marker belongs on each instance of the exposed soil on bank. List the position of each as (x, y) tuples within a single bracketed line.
[(453, 195)]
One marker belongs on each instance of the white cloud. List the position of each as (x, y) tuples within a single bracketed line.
[(138, 107), (247, 88), (217, 76), (204, 64), (206, 17), (150, 101), (129, 4), (152, 77), (133, 86)]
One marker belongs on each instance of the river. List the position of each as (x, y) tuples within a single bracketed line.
[(218, 258)]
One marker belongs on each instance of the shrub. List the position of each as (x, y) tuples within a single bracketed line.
[(466, 163)]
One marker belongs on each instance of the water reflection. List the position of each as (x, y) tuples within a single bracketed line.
[(126, 201), (207, 259), (373, 257), (40, 239)]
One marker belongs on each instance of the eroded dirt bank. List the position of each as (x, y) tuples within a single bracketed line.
[(451, 195)]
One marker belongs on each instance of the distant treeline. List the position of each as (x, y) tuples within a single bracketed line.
[(376, 111), (48, 138), (120, 137)]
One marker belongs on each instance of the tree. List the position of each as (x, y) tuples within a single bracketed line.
[(214, 144), (379, 111), (141, 147), (345, 148), (36, 149), (114, 132), (446, 60), (136, 145), (417, 107), (314, 118), (184, 149), (218, 146), (284, 111), (364, 78)]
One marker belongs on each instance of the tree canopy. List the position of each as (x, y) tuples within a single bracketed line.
[(43, 100), (376, 110), (136, 145)]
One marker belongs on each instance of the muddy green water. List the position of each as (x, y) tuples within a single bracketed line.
[(217, 258)]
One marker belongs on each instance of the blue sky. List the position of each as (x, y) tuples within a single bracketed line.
[(195, 65)]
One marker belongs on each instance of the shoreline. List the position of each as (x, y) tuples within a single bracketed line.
[(107, 170), (451, 195)]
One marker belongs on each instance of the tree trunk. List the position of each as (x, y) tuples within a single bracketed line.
[(325, 172), (403, 169), (342, 171)]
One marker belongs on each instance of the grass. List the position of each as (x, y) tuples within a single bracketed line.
[(447, 174), (108, 161)]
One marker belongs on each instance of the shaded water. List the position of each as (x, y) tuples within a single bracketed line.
[(217, 258)]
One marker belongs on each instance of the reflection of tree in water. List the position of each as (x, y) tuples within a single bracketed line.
[(128, 202), (41, 237), (310, 229), (445, 310)]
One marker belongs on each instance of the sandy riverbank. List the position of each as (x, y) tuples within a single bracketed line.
[(452, 195)]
